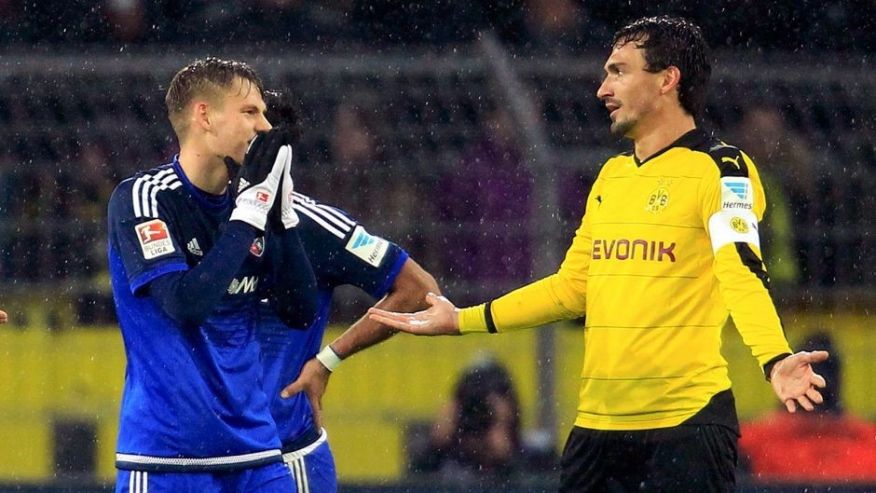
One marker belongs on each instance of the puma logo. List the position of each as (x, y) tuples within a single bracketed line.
[(733, 160)]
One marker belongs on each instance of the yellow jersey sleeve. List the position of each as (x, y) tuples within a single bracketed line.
[(560, 296), (732, 204)]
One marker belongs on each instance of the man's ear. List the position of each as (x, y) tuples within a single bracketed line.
[(671, 79), (200, 115)]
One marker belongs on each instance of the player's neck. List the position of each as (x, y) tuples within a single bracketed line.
[(662, 131), (204, 171)]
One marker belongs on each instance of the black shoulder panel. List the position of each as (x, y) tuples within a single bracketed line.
[(728, 159)]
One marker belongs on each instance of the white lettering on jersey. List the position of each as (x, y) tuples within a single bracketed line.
[(244, 285), (154, 239), (369, 248)]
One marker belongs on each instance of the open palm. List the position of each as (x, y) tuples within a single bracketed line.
[(439, 319), (795, 382)]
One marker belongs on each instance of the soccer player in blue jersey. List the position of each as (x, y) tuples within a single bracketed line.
[(341, 252), (187, 254)]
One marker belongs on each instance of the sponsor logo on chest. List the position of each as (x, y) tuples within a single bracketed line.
[(244, 285), (637, 249)]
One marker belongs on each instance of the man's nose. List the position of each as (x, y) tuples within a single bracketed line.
[(603, 91), (263, 125)]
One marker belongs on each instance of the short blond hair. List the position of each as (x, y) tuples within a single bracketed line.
[(203, 78)]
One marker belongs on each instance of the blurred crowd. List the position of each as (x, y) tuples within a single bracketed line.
[(481, 201), (537, 25), (431, 161), (469, 217)]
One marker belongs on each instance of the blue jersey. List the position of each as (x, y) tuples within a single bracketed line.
[(341, 252), (191, 399)]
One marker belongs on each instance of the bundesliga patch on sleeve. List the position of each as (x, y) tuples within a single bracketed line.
[(736, 194), (369, 248), (154, 239)]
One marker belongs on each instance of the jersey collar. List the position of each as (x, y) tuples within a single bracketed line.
[(207, 199), (691, 140)]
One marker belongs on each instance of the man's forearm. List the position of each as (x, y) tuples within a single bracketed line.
[(408, 294)]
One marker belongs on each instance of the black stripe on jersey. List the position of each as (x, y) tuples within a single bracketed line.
[(755, 265), (753, 262), (488, 316), (729, 160)]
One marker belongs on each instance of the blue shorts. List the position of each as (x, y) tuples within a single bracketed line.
[(271, 478), (313, 467)]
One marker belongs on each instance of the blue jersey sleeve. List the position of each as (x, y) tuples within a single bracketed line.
[(142, 231), (292, 286), (342, 251)]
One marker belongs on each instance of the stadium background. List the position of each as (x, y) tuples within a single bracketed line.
[(394, 98)]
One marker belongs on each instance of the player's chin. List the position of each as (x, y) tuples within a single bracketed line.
[(620, 128)]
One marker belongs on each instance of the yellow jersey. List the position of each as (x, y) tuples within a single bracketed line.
[(667, 249)]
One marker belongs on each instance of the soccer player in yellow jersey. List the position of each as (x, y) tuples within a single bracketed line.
[(668, 248)]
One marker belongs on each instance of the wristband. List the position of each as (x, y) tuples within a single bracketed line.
[(771, 364), (329, 358)]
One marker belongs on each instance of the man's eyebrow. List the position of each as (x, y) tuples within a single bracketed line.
[(614, 66)]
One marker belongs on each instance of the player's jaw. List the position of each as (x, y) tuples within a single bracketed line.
[(239, 141), (235, 150), (621, 121)]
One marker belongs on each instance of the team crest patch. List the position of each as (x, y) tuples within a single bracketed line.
[(258, 246), (154, 239), (369, 248), (658, 200), (739, 225)]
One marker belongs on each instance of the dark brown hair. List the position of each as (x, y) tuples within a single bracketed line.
[(673, 41)]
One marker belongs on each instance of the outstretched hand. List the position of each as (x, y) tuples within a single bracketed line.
[(313, 381), (795, 382), (3, 317), (439, 319)]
